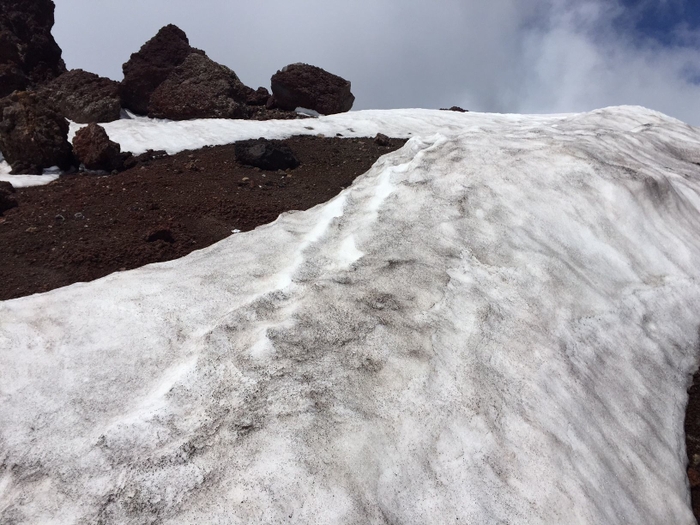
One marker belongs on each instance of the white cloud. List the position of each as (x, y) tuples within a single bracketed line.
[(580, 62)]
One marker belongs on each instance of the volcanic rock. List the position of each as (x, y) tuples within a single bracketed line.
[(11, 79), (382, 140), (32, 135), (85, 97), (29, 55), (455, 108), (310, 87), (154, 62), (144, 159), (266, 154), (200, 88), (95, 151), (161, 234), (259, 97), (7, 200)]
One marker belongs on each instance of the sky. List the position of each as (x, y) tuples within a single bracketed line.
[(538, 56)]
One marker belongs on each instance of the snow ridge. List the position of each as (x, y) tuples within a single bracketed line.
[(495, 324)]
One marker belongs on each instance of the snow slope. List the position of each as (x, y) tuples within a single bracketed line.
[(495, 324)]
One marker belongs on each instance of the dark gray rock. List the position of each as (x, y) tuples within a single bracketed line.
[(7, 199), (11, 79), (266, 154), (161, 234), (144, 159), (32, 135), (306, 86), (84, 97)]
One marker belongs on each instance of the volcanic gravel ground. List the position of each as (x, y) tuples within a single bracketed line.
[(85, 226), (692, 443)]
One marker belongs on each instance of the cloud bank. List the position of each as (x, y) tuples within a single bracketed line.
[(503, 56)]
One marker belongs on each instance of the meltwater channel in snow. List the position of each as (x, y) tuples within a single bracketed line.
[(495, 324)]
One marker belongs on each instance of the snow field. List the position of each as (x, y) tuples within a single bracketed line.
[(495, 324)]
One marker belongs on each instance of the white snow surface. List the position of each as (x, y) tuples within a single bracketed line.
[(495, 324), (139, 134), (21, 181)]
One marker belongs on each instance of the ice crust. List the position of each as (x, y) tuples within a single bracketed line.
[(495, 324)]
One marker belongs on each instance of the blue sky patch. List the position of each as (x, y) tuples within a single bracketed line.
[(660, 21)]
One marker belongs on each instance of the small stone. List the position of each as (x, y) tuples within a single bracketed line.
[(382, 140), (162, 234), (265, 154), (455, 108)]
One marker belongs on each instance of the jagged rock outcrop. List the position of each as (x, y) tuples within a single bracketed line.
[(7, 199), (310, 87), (29, 55), (151, 65), (259, 97), (200, 88), (170, 79), (84, 97), (95, 151), (32, 135), (266, 154)]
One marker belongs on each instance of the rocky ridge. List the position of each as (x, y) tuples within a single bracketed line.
[(166, 78)]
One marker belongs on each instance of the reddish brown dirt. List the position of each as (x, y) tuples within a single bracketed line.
[(82, 227), (692, 443), (85, 226)]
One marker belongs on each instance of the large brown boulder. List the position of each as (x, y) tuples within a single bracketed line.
[(310, 87), (84, 97), (154, 62), (95, 151), (200, 88), (29, 55), (32, 135)]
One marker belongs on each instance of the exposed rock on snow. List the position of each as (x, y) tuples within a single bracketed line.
[(29, 55), (455, 108), (306, 86), (151, 65), (495, 324), (32, 135), (84, 97), (95, 151), (266, 154), (200, 88)]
